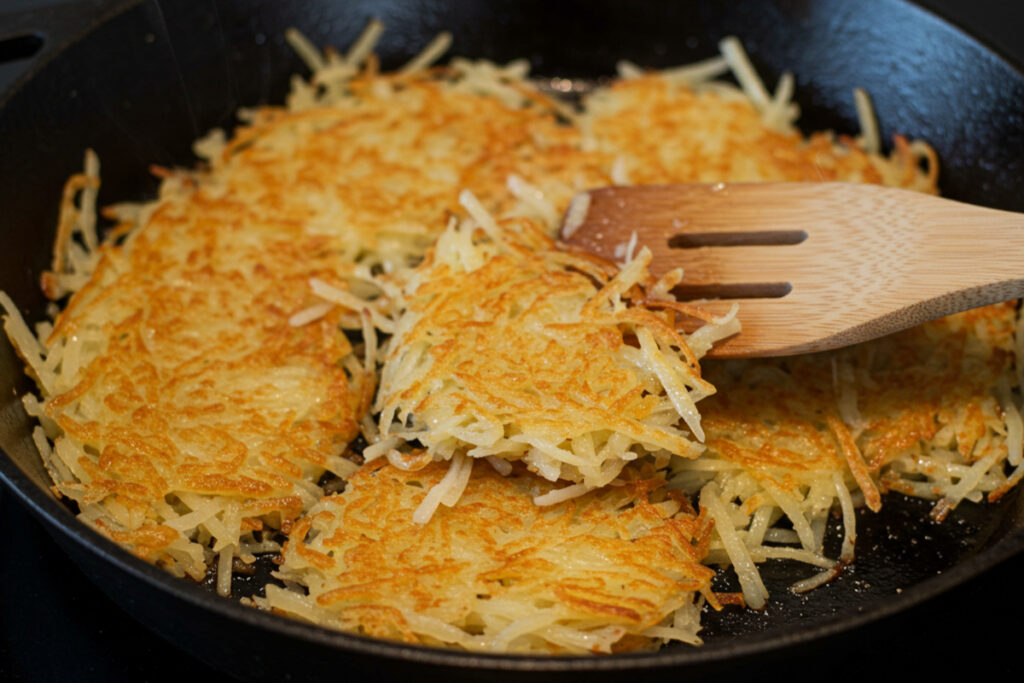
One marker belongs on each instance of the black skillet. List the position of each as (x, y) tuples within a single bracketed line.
[(138, 81)]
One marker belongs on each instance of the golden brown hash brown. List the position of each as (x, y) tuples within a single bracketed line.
[(926, 412), (665, 132), (188, 378), (513, 347), (497, 571), (905, 398), (385, 162)]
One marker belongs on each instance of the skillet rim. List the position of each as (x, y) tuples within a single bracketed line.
[(61, 523)]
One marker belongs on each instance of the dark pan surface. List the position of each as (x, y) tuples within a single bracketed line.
[(139, 81)]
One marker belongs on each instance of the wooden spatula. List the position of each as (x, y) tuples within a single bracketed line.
[(814, 266)]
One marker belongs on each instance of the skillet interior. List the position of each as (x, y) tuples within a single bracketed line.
[(150, 78)]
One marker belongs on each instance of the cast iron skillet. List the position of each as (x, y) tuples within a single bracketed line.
[(137, 81)]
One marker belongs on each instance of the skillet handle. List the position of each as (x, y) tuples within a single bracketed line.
[(29, 37)]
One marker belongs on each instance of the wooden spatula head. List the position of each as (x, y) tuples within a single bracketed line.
[(814, 266)]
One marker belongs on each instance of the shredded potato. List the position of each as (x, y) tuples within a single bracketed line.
[(512, 347), (221, 346), (185, 410), (917, 412), (611, 571)]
